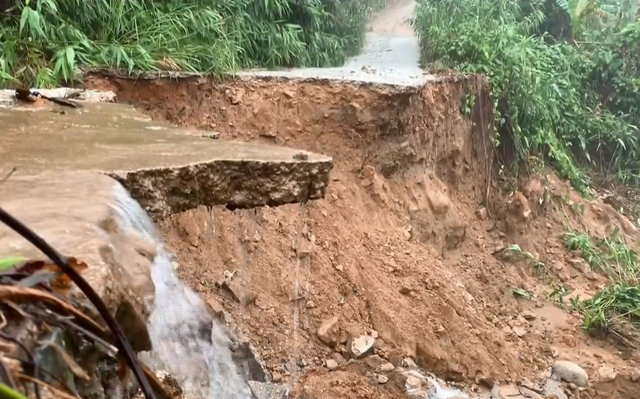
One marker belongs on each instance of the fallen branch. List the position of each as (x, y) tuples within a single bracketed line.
[(95, 299)]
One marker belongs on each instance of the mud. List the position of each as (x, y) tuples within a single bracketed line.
[(403, 245)]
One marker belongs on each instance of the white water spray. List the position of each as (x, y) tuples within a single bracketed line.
[(187, 343)]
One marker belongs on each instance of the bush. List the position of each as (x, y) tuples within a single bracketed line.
[(546, 99), (43, 42)]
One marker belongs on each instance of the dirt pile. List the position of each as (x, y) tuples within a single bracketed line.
[(407, 246)]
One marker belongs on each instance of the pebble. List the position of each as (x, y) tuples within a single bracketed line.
[(570, 372), (529, 315), (382, 379), (520, 331), (607, 374), (386, 367), (276, 377), (331, 364)]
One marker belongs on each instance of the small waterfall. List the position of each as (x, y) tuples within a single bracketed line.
[(187, 343)]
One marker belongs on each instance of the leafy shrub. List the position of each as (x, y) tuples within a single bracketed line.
[(43, 42), (546, 100)]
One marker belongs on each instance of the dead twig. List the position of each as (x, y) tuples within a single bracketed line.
[(56, 393), (29, 355), (95, 299), (11, 172), (30, 295)]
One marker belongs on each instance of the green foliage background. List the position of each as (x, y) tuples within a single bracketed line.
[(564, 75), (45, 42)]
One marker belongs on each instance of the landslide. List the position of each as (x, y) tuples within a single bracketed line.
[(403, 245)]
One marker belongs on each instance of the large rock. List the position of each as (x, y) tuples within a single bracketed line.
[(570, 372), (83, 215)]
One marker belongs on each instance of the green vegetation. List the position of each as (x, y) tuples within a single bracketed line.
[(45, 42), (619, 300), (564, 76)]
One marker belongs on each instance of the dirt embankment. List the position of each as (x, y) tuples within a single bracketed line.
[(400, 246)]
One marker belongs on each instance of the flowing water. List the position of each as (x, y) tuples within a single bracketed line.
[(187, 343)]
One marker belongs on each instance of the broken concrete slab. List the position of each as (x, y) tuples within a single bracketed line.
[(167, 169)]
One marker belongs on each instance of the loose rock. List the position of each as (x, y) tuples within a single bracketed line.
[(529, 394), (265, 390), (382, 379), (360, 347), (387, 367), (520, 331), (570, 372), (553, 389), (215, 308), (635, 375), (607, 374), (409, 363), (329, 331), (332, 364)]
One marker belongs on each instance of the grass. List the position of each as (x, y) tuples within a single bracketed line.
[(620, 300), (45, 42)]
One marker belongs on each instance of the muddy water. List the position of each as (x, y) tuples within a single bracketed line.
[(188, 344)]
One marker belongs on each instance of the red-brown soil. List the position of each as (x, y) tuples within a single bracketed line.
[(401, 244)]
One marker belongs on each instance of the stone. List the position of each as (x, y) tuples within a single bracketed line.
[(519, 331), (481, 213), (530, 385), (382, 379), (510, 390), (606, 373), (266, 390), (553, 389), (409, 363), (570, 372), (635, 375), (529, 393), (276, 377), (386, 367), (329, 331), (528, 315), (215, 308), (413, 383), (360, 347), (240, 292), (332, 364)]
